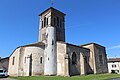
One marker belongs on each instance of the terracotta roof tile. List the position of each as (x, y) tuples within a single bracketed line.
[(114, 60)]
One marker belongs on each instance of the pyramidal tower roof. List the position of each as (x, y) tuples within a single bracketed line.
[(52, 10)]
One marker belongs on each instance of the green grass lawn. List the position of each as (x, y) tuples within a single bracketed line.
[(87, 77)]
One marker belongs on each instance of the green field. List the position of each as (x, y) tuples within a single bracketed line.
[(87, 77)]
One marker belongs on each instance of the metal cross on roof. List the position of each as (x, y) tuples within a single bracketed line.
[(52, 2)]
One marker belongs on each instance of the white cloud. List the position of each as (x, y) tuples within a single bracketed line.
[(115, 47)]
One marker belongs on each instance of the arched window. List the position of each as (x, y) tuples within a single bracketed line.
[(74, 58)]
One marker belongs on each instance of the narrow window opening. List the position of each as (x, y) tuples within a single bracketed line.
[(54, 21), (41, 60), (42, 24), (47, 21), (52, 42), (13, 62), (44, 21), (58, 21)]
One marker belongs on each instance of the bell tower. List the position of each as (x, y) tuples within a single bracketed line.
[(52, 18), (51, 30)]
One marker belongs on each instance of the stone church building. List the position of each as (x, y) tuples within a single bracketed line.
[(51, 55)]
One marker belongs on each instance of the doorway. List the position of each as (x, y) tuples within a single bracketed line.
[(30, 66)]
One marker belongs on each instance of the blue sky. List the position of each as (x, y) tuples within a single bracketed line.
[(86, 21)]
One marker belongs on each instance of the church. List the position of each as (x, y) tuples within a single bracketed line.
[(51, 55)]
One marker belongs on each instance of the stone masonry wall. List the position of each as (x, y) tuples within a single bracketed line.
[(33, 65), (13, 68), (62, 66), (74, 69), (101, 64)]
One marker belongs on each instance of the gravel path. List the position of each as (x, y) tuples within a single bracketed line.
[(6, 79), (116, 79)]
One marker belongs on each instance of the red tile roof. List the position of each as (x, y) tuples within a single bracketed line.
[(114, 60)]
